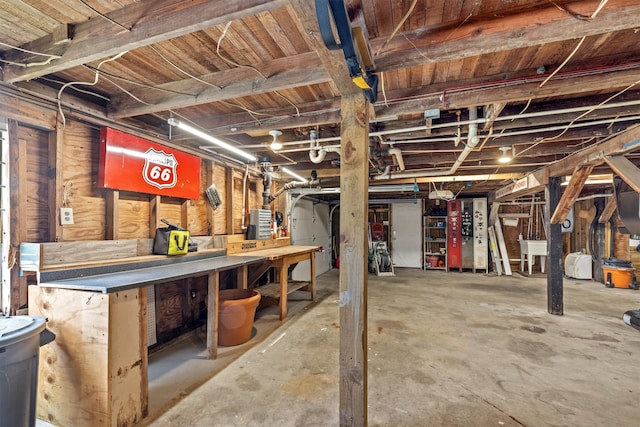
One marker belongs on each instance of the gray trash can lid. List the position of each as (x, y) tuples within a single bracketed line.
[(17, 328)]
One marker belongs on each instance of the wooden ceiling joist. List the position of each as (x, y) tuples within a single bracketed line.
[(149, 22), (531, 28)]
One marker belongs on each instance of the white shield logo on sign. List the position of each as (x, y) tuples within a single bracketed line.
[(160, 169)]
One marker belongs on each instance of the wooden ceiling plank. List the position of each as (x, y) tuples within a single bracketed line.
[(628, 171), (570, 194), (150, 22), (530, 28), (234, 83)]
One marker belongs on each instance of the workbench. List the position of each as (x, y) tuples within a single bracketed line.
[(96, 371), (282, 259)]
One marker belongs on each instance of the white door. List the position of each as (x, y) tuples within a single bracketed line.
[(406, 234)]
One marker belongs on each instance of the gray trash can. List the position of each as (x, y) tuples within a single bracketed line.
[(20, 341)]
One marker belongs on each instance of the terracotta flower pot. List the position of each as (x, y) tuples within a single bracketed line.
[(236, 311)]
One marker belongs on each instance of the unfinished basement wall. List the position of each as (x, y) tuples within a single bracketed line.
[(58, 167)]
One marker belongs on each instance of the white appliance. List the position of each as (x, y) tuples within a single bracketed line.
[(578, 266), (480, 239)]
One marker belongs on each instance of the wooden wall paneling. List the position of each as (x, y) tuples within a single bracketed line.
[(171, 209), (112, 215), (17, 190), (80, 171), (170, 298), (134, 215), (36, 198), (15, 108), (220, 215), (55, 183)]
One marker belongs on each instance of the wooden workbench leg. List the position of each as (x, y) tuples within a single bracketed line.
[(284, 291), (212, 314), (243, 277), (312, 279)]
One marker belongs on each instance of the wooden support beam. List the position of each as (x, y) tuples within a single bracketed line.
[(609, 210), (353, 272), (154, 215), (17, 205), (625, 169), (578, 178), (56, 186), (491, 113), (623, 142), (213, 285), (554, 251), (332, 60)]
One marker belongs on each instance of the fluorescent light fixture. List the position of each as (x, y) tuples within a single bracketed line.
[(441, 195), (293, 174), (399, 188), (211, 139), (275, 144), (505, 158), (375, 189), (593, 179)]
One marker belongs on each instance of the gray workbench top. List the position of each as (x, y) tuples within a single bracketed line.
[(119, 277)]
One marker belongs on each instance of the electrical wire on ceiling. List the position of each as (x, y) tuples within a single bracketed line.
[(97, 12), (29, 64), (229, 61), (252, 113), (566, 129), (95, 81), (77, 89), (575, 50)]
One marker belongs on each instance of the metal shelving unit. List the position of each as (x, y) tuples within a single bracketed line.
[(435, 242)]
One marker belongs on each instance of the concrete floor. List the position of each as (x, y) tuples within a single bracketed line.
[(445, 349)]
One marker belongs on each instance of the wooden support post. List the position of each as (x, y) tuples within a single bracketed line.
[(154, 215), (212, 314), (554, 251), (353, 251), (18, 210), (112, 207), (56, 186)]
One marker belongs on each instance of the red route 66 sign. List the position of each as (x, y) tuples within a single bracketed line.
[(159, 168), (135, 164)]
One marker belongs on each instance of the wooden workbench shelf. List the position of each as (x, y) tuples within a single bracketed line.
[(272, 290)]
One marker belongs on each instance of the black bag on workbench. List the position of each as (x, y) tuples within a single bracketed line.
[(171, 240)]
